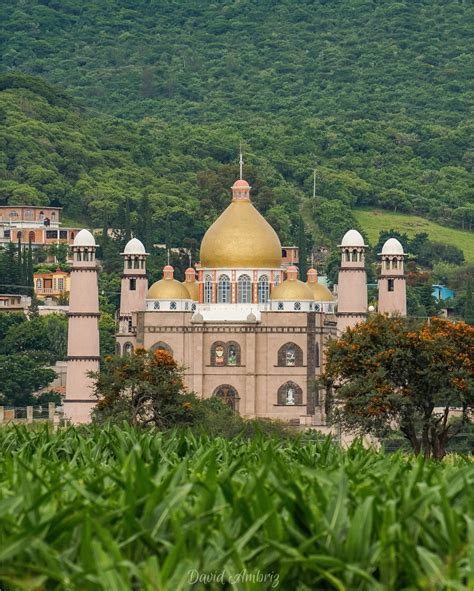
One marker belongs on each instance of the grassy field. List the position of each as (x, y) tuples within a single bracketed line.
[(373, 221), (117, 509)]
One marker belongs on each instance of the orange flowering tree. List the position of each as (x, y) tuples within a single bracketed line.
[(399, 374), (144, 388)]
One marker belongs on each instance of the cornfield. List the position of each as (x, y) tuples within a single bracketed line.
[(118, 509)]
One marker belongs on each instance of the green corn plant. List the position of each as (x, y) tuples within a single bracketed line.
[(118, 508)]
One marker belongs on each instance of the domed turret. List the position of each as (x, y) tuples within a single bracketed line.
[(292, 289), (392, 246), (190, 284), (84, 238), (241, 237), (352, 238), (134, 246), (167, 288), (320, 292)]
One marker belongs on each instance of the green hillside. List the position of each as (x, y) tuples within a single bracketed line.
[(376, 221), (376, 94)]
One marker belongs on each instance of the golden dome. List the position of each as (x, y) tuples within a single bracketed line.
[(193, 289), (292, 290), (320, 292), (167, 288), (241, 237)]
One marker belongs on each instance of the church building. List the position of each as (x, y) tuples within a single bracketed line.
[(242, 324)]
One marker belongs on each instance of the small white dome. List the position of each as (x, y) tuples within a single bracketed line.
[(392, 246), (352, 238), (134, 246), (84, 238)]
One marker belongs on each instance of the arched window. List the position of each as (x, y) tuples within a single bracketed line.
[(290, 394), (244, 290), (218, 354), (127, 349), (387, 263), (19, 235), (263, 290), (228, 395), (160, 346), (31, 237), (41, 216), (118, 349), (53, 215), (78, 256), (208, 289), (290, 355), (354, 255), (38, 284), (347, 255), (85, 255), (394, 264), (136, 263), (277, 279), (223, 290), (233, 354)]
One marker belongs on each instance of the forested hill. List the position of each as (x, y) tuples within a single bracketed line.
[(349, 59), (375, 93)]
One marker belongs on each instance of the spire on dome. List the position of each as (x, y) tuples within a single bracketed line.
[(241, 162)]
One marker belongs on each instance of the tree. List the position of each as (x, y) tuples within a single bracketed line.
[(144, 388), (43, 338), (393, 373), (20, 377)]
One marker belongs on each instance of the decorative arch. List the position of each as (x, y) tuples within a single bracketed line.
[(263, 290), (244, 290), (161, 346), (118, 349), (223, 290), (208, 289), (127, 348), (290, 394), (233, 354), (218, 354), (347, 254), (355, 255), (290, 355), (229, 395)]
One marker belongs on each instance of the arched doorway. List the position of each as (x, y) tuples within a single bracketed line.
[(228, 395)]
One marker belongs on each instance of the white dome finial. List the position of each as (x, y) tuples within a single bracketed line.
[(134, 246), (392, 246), (84, 238), (352, 238)]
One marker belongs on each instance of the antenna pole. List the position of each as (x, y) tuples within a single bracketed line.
[(241, 162)]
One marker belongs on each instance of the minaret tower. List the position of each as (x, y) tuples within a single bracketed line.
[(352, 282), (133, 288), (83, 331), (392, 282)]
